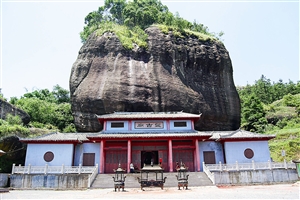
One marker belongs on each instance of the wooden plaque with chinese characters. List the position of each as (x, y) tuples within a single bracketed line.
[(148, 125)]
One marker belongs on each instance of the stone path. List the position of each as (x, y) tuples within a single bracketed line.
[(278, 191)]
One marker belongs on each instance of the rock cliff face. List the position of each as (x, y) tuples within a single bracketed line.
[(174, 74), (7, 108)]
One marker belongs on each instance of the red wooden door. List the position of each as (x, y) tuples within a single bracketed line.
[(113, 158), (136, 159), (164, 156), (186, 156)]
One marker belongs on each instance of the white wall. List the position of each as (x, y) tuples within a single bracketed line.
[(86, 148), (63, 154), (211, 146), (234, 151)]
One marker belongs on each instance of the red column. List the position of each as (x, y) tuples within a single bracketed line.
[(197, 155), (130, 125), (128, 155), (168, 125), (170, 156), (104, 126), (101, 166), (193, 124)]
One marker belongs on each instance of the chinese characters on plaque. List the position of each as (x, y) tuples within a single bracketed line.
[(148, 125)]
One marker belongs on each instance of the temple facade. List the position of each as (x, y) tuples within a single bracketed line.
[(147, 137)]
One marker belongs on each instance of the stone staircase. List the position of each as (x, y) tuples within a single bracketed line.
[(195, 179)]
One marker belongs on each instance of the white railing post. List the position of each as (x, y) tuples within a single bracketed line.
[(46, 169), (237, 166), (253, 165), (220, 164), (29, 166), (270, 166), (13, 169), (79, 171), (62, 168), (285, 165), (24, 169)]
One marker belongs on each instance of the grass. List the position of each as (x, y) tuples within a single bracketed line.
[(286, 127), (182, 33), (127, 36), (288, 140), (281, 112)]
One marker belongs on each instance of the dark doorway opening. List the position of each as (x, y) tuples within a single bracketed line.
[(148, 156)]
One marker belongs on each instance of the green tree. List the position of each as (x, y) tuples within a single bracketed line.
[(291, 100), (47, 109), (279, 90), (43, 94), (253, 115), (137, 13), (262, 90), (61, 95), (116, 8)]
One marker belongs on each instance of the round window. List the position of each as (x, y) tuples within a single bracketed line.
[(48, 156), (249, 153)]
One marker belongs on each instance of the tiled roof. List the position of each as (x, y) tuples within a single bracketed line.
[(212, 135), (239, 134), (148, 115), (58, 137), (153, 134)]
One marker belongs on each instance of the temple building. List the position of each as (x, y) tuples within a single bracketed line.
[(147, 137)]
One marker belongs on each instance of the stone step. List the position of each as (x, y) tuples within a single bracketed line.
[(131, 181)]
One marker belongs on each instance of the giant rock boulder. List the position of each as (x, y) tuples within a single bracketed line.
[(173, 74)]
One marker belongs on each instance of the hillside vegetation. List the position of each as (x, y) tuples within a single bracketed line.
[(273, 108), (129, 19), (48, 111)]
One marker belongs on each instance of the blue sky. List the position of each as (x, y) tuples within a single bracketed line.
[(40, 39)]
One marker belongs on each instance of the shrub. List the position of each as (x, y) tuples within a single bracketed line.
[(13, 120)]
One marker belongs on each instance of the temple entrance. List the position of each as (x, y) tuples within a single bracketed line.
[(148, 156)]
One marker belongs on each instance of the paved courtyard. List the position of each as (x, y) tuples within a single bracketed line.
[(278, 191)]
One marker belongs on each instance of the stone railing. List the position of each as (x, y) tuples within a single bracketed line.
[(251, 173), (91, 170), (93, 176), (53, 169), (208, 173), (248, 166)]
